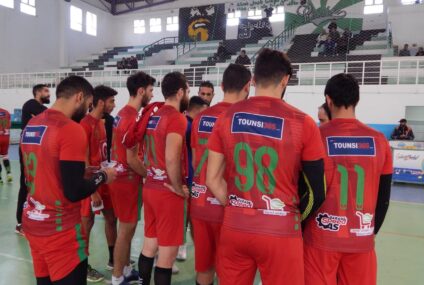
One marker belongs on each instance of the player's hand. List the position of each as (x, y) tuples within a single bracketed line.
[(111, 174), (183, 192), (96, 199), (90, 170)]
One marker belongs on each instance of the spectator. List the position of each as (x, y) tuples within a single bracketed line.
[(403, 132), (413, 50), (329, 47), (222, 52), (333, 25), (405, 51), (128, 63), (243, 59), (347, 33), (134, 62), (420, 52), (334, 34), (322, 38)]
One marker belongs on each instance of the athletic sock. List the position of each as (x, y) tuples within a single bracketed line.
[(117, 280), (163, 276), (127, 270), (197, 283), (111, 249), (6, 163), (145, 266)]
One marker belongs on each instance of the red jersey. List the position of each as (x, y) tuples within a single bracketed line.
[(125, 118), (96, 135), (203, 204), (264, 140), (356, 158), (5, 122), (165, 121), (47, 139)]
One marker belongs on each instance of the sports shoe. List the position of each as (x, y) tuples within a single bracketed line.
[(109, 265), (182, 253), (9, 178), (175, 269), (93, 275), (19, 230), (133, 277)]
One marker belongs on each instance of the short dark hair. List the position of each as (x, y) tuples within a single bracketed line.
[(37, 88), (235, 77), (139, 80), (271, 66), (206, 84), (103, 92), (172, 82), (326, 110), (73, 84), (343, 89), (196, 102)]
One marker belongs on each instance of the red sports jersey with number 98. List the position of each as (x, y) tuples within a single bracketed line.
[(264, 141), (203, 205), (165, 121), (49, 138), (356, 158)]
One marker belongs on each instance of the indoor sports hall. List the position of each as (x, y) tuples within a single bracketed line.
[(378, 42)]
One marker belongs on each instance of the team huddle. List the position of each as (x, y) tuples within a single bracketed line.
[(262, 187)]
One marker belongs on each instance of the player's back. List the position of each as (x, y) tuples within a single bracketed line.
[(264, 141), (96, 135), (202, 199), (48, 211), (356, 158), (4, 122), (165, 121)]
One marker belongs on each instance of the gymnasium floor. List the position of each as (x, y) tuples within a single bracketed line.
[(400, 244)]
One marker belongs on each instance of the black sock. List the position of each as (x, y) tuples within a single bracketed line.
[(6, 163), (145, 266), (0, 171), (163, 276), (197, 283), (111, 249)]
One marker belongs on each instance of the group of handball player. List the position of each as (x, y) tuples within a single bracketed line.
[(261, 186)]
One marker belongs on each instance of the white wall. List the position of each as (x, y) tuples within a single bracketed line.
[(46, 42), (407, 22)]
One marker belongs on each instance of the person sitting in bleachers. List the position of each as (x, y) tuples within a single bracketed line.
[(134, 62), (322, 38), (334, 34), (343, 42), (405, 51), (221, 53), (420, 52), (243, 59), (403, 132), (329, 47)]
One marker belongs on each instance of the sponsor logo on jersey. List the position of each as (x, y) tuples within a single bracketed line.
[(240, 202), (213, 201), (275, 207), (350, 146), (197, 190), (116, 121), (2, 114), (329, 222), (365, 222), (33, 134), (36, 213), (206, 124), (259, 125), (153, 122)]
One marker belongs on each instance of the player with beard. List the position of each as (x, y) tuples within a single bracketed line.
[(54, 149), (126, 190), (205, 211), (30, 109), (256, 151), (94, 127), (165, 159)]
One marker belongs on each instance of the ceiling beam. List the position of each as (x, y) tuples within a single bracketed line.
[(136, 8)]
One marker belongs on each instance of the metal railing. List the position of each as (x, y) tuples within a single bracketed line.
[(162, 41), (388, 71), (278, 41), (184, 48)]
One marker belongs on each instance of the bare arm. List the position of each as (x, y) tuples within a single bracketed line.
[(134, 161), (173, 150), (215, 176)]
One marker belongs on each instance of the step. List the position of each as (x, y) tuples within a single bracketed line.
[(371, 47), (369, 52), (374, 43)]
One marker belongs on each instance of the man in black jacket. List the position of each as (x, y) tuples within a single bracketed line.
[(403, 132)]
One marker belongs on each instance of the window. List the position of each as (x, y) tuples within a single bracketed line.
[(7, 3), (139, 26), (277, 15), (76, 19), (172, 23), (91, 24), (254, 14), (155, 25), (28, 7), (410, 2), (373, 7), (233, 18)]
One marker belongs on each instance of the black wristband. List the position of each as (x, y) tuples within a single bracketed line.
[(100, 177)]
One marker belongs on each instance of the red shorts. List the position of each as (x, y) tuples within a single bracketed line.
[(104, 192), (240, 254), (4, 145), (339, 268), (206, 240), (126, 199), (57, 256), (164, 216)]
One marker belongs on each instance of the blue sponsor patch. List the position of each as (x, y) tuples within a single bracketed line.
[(2, 114), (33, 134), (206, 124), (153, 122), (260, 125), (350, 146), (116, 121)]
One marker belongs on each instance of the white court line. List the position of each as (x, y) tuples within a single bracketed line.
[(15, 257), (407, 203)]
